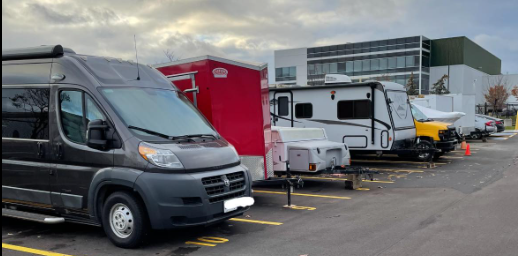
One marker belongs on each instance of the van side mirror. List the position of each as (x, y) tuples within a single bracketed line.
[(96, 135)]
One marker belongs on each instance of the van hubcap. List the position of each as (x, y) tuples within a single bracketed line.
[(121, 221)]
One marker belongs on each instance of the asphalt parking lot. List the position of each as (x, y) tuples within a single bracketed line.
[(467, 205)]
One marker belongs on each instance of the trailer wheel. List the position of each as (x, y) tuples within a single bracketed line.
[(424, 145)]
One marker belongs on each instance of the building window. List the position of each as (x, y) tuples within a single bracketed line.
[(410, 61), (400, 62), (304, 110), (284, 106), (366, 65), (375, 65), (349, 67), (354, 109), (358, 66), (285, 74), (25, 113)]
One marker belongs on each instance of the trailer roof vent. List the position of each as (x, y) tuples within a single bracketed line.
[(338, 79)]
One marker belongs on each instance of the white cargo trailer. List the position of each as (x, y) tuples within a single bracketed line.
[(307, 150)]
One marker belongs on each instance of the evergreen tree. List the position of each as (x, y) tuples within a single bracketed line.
[(439, 87), (411, 87)]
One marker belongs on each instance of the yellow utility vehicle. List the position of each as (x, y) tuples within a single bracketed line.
[(433, 134)]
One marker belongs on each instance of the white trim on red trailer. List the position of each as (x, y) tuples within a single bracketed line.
[(245, 64)]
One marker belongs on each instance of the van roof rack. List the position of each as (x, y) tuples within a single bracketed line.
[(39, 52)]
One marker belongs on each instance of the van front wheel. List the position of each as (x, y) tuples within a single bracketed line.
[(424, 146), (125, 220)]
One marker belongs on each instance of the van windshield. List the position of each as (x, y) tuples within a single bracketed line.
[(418, 115), (160, 111)]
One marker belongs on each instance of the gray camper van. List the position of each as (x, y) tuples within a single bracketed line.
[(110, 143)]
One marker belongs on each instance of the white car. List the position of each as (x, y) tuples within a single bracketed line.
[(307, 150), (484, 127)]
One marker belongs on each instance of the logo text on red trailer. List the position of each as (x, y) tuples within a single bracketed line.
[(220, 73)]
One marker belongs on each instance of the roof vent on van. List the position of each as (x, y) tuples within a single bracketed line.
[(338, 79), (40, 52)]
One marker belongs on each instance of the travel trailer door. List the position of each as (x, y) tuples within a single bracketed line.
[(400, 110), (282, 109)]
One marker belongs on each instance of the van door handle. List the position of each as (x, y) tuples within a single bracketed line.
[(59, 150), (41, 150)]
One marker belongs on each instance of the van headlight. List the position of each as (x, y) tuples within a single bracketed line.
[(159, 157)]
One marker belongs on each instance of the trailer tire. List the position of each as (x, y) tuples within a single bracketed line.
[(426, 145)]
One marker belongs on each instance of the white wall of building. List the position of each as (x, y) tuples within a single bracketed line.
[(469, 81), (293, 58)]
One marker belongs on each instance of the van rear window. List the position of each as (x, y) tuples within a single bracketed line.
[(25, 113)]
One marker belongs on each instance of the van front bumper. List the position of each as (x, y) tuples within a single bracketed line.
[(195, 199), (446, 146)]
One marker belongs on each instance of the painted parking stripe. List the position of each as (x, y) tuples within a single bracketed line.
[(391, 162), (452, 157), (200, 244), (257, 222), (342, 179), (395, 170), (299, 194), (30, 250)]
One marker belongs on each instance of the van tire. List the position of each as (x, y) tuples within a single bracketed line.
[(126, 204), (423, 144)]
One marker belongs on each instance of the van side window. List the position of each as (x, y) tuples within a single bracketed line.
[(354, 109), (25, 113), (74, 118), (304, 110), (284, 106)]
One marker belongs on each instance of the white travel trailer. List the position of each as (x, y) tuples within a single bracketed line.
[(307, 150), (370, 117)]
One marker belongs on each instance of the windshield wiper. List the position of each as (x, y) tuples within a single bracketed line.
[(161, 135), (202, 136)]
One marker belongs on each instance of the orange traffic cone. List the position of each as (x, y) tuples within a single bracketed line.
[(468, 150), (464, 145)]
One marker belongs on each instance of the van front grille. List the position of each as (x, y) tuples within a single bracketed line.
[(225, 187)]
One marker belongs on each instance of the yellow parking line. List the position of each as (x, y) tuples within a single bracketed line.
[(342, 179), (298, 194), (390, 162), (395, 170), (257, 222), (200, 244), (30, 251)]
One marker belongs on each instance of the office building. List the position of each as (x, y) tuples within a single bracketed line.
[(399, 60)]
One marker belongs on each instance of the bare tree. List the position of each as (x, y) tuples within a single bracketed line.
[(171, 56), (514, 91), (497, 91)]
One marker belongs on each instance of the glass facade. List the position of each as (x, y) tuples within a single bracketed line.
[(395, 60), (287, 74)]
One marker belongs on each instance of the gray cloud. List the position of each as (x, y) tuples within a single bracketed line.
[(249, 29)]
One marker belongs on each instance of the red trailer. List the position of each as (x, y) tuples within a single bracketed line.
[(233, 95)]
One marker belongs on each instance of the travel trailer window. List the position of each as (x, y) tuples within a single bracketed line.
[(400, 109), (284, 108), (354, 109), (304, 110), (25, 113)]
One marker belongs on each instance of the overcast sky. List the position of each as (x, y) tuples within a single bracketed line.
[(251, 29)]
